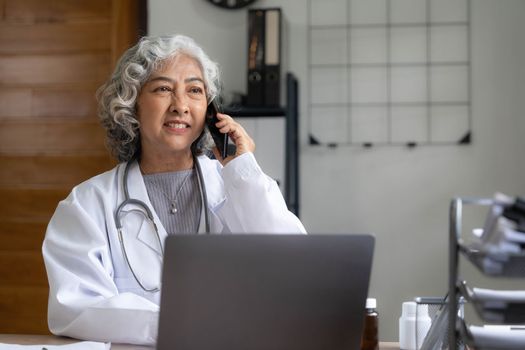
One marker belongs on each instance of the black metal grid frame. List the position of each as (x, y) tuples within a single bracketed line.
[(389, 104)]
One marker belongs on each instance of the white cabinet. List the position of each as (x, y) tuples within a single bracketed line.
[(269, 135)]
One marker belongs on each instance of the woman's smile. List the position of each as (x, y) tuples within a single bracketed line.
[(177, 127)]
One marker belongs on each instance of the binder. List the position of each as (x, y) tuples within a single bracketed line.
[(272, 58), (256, 34)]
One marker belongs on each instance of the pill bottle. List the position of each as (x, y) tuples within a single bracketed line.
[(370, 336)]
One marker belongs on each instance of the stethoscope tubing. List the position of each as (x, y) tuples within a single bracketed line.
[(149, 214)]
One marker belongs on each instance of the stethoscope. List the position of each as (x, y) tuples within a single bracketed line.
[(145, 210)]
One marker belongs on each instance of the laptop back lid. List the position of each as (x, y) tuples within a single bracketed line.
[(250, 292)]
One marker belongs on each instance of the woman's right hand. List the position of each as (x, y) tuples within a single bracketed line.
[(243, 142)]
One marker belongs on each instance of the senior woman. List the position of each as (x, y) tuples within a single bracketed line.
[(103, 245)]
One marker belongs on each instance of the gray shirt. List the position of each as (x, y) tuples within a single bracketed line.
[(176, 199)]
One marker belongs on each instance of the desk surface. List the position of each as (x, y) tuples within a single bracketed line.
[(24, 339)]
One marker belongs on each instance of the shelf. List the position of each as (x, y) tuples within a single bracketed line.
[(495, 263), (246, 111), (496, 306), (492, 338)]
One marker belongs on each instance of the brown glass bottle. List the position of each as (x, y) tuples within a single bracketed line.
[(370, 337)]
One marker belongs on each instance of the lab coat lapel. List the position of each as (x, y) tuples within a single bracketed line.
[(214, 191), (212, 182), (137, 190)]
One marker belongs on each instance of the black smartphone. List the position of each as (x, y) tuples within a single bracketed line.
[(220, 139)]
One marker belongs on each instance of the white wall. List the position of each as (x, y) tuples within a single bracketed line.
[(399, 194)]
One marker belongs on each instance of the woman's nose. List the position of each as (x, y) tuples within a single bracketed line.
[(179, 104)]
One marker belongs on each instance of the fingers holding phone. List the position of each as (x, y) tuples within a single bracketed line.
[(243, 142)]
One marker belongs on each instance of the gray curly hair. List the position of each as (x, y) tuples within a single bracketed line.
[(117, 98)]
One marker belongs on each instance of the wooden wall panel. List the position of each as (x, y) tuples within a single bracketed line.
[(54, 38), (15, 102), (23, 308), (54, 69), (22, 235), (34, 136), (29, 205), (125, 31), (48, 102), (64, 103), (66, 171), (55, 10), (25, 269), (54, 54)]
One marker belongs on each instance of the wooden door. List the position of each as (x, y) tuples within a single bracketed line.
[(54, 54)]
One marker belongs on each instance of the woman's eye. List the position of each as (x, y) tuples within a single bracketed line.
[(162, 89), (196, 90)]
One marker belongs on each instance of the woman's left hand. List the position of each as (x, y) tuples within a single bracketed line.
[(243, 142)]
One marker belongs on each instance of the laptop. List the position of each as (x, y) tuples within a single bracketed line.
[(264, 291)]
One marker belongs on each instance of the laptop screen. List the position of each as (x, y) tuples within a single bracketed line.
[(248, 292)]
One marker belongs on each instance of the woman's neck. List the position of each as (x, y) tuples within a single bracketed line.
[(153, 165)]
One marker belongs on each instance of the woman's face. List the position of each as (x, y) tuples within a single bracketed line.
[(172, 108)]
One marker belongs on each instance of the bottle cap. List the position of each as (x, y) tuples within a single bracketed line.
[(371, 303)]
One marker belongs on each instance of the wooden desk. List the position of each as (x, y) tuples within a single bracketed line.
[(24, 339)]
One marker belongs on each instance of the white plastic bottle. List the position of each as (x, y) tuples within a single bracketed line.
[(407, 326), (413, 327), (423, 323)]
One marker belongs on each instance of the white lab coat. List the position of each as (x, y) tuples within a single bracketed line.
[(93, 294)]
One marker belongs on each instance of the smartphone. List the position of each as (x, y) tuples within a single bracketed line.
[(220, 139)]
